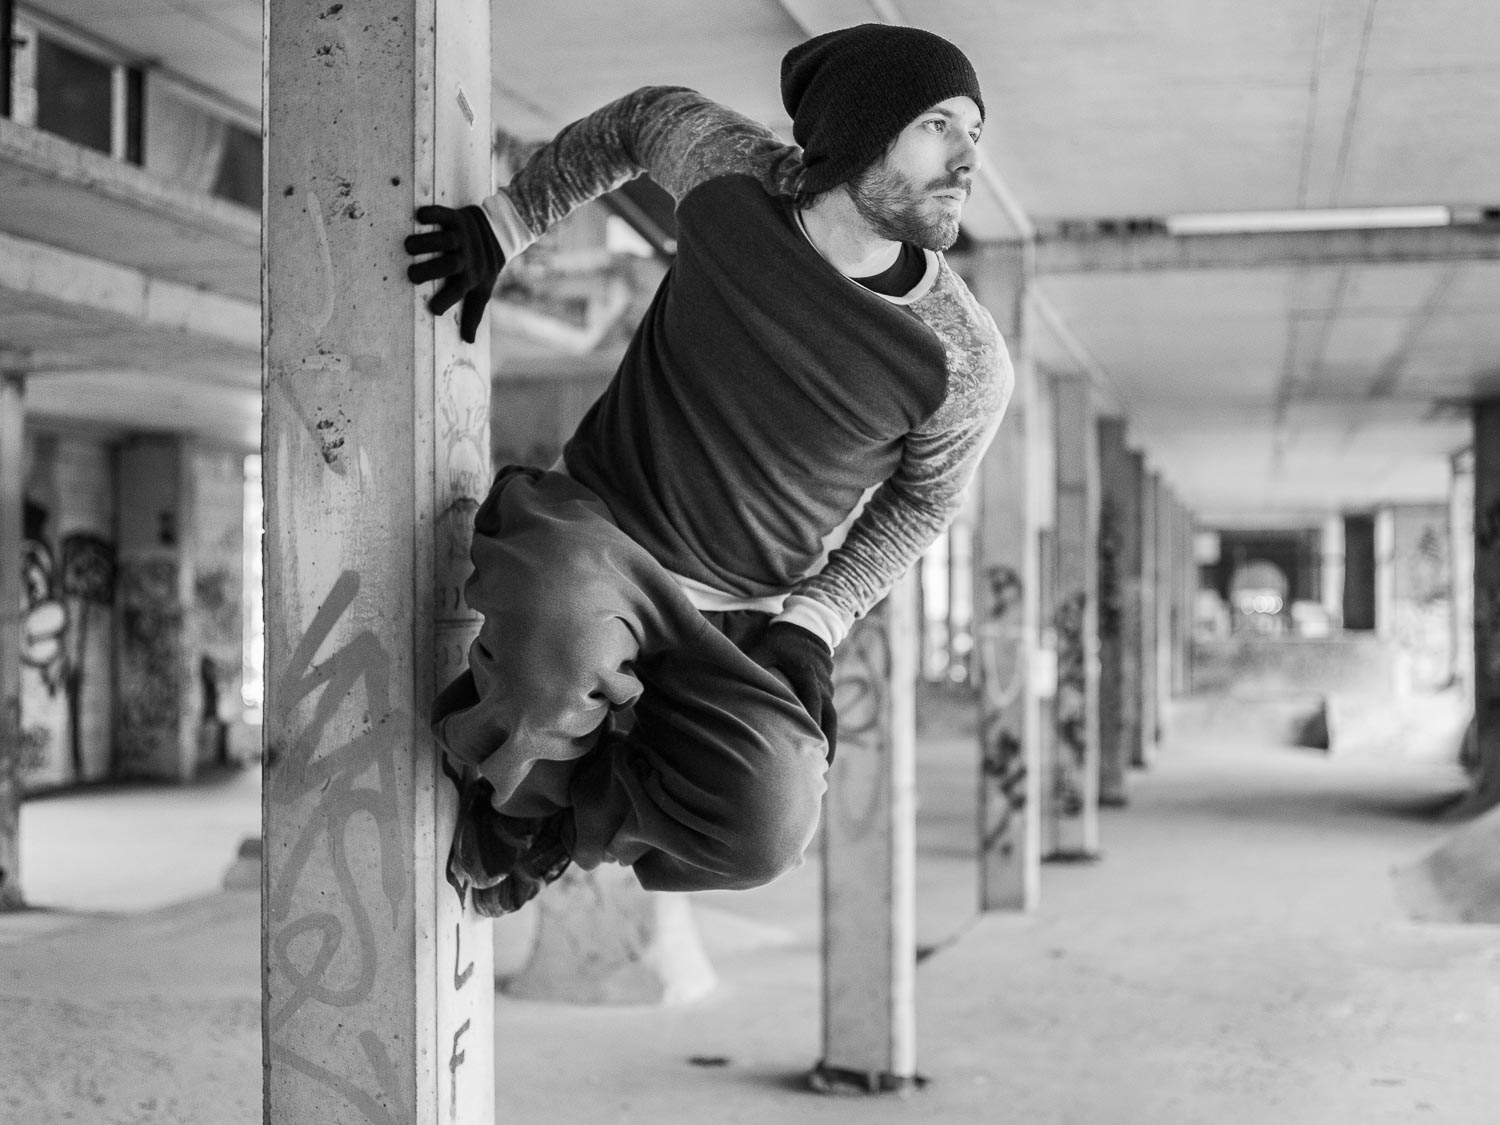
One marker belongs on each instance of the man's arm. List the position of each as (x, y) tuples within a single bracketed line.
[(676, 135), (910, 510)]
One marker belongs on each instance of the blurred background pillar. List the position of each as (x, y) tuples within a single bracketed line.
[(1071, 829), (1150, 707), (1007, 605), (1119, 610), (1487, 602), (869, 858), (12, 461)]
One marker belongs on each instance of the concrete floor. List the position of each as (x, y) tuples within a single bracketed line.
[(1238, 956)]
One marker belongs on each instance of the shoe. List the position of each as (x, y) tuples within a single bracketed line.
[(542, 863), (503, 860)]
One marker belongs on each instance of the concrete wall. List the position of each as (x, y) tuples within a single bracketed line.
[(69, 585)]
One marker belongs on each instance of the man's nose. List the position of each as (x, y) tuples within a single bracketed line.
[(967, 157)]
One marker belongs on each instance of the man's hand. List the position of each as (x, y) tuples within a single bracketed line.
[(468, 256), (807, 664)]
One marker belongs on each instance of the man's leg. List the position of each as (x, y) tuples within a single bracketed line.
[(719, 782)]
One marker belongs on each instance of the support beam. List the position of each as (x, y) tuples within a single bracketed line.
[(12, 468), (1071, 828), (1135, 251), (1150, 717), (1486, 604), (1119, 610), (869, 858), (1461, 536), (378, 1002), (1007, 601), (1166, 614), (1332, 562)]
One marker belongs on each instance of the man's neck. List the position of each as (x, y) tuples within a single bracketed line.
[(841, 234)]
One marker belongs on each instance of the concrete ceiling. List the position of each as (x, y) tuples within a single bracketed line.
[(1266, 393)]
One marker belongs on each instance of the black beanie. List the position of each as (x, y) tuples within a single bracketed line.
[(851, 91)]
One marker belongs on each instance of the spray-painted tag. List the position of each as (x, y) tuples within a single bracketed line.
[(468, 110)]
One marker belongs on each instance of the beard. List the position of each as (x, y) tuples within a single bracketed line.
[(898, 209)]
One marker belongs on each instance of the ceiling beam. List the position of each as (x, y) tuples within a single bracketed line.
[(1137, 251), (35, 274)]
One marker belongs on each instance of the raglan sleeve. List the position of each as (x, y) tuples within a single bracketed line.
[(674, 134), (907, 512)]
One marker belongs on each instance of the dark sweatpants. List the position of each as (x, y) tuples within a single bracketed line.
[(718, 782)]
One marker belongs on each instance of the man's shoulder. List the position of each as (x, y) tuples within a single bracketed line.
[(979, 368)]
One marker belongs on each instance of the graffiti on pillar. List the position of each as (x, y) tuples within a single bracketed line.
[(63, 585), (861, 686), (1424, 598), (327, 954), (1003, 668), (1071, 706), (152, 666), (1109, 571)]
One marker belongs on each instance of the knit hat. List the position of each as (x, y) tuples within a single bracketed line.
[(851, 91)]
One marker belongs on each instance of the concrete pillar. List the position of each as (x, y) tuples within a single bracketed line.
[(1007, 600), (378, 1002), (1421, 597), (12, 425), (1332, 559), (1072, 818), (156, 724), (1385, 573), (1150, 587), (1187, 593), (1119, 610), (869, 858), (1461, 540), (1359, 609), (1487, 602), (1166, 612)]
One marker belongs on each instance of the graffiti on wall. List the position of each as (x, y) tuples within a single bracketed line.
[(151, 650), (1424, 606), (1003, 719), (1071, 764), (326, 936), (64, 585)]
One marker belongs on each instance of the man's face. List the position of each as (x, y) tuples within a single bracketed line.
[(916, 192)]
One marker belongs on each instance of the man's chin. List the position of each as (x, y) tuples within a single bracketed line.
[(939, 236)]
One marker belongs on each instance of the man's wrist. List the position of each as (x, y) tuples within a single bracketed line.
[(818, 619)]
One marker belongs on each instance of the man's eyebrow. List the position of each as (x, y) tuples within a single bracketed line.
[(950, 114)]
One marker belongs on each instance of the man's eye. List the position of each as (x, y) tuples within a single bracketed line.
[(937, 125), (974, 135)]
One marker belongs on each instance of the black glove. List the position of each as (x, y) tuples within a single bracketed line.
[(807, 664), (469, 256)]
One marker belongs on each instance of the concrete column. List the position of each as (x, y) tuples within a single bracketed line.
[(1166, 613), (12, 425), (1150, 485), (378, 1002), (1119, 610), (1188, 597), (156, 682), (1072, 820), (869, 858), (1461, 539), (1421, 597), (1385, 573), (1487, 602), (1332, 551), (1007, 604)]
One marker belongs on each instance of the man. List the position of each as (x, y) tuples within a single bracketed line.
[(791, 426)]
